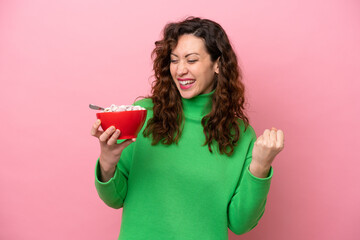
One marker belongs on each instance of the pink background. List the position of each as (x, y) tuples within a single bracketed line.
[(301, 62)]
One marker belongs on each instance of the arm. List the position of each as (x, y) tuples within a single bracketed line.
[(112, 182), (248, 202), (113, 191)]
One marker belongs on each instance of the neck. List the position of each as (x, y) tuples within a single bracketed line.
[(198, 106)]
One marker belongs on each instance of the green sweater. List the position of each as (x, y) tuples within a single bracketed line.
[(184, 192)]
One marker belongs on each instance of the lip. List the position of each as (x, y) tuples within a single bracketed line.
[(185, 79), (186, 86)]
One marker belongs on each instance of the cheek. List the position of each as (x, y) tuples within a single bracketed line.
[(172, 71), (207, 76)]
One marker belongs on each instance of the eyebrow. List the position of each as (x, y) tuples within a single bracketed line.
[(185, 55)]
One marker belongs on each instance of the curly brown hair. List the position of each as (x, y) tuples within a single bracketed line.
[(222, 123)]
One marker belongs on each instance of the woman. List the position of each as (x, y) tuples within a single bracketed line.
[(198, 168)]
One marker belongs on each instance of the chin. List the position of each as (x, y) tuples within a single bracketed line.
[(187, 94)]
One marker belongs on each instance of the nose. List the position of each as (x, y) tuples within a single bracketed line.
[(181, 68)]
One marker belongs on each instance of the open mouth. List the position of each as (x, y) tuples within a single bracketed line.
[(186, 84)]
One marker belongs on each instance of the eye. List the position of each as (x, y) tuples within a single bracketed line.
[(173, 61), (192, 61)]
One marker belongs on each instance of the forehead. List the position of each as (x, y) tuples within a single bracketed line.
[(189, 43)]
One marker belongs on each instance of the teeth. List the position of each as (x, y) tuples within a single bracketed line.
[(186, 82)]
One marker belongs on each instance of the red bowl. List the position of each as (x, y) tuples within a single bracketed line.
[(128, 122)]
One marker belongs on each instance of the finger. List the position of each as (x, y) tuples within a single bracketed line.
[(273, 138), (105, 135), (273, 128), (127, 143), (259, 139), (113, 139), (280, 139), (95, 129), (266, 136)]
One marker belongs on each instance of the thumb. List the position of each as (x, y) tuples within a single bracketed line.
[(127, 143)]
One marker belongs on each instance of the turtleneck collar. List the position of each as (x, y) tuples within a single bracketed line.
[(198, 106)]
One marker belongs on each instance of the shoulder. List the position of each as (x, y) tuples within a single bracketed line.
[(247, 131), (145, 103)]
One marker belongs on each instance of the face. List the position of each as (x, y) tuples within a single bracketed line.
[(191, 67)]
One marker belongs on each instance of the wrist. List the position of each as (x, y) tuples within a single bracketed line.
[(259, 170), (106, 167), (106, 172)]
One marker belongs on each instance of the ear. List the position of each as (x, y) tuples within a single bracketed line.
[(216, 65)]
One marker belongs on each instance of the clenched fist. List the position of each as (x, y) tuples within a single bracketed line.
[(265, 149)]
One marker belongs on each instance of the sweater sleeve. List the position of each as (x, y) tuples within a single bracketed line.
[(247, 205), (113, 192)]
